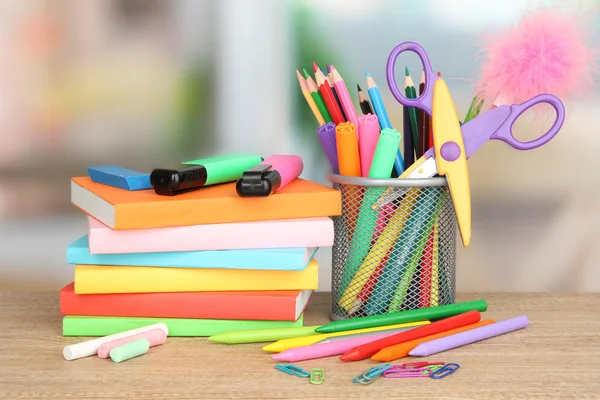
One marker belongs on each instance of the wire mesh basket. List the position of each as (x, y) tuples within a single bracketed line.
[(394, 248)]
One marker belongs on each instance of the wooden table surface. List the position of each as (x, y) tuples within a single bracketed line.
[(556, 357)]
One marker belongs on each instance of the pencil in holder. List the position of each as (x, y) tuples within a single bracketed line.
[(401, 255)]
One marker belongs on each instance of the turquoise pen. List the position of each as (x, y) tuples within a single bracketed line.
[(384, 121)]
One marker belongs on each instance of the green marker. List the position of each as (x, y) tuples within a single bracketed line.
[(262, 335), (381, 168), (431, 313), (193, 175), (130, 350)]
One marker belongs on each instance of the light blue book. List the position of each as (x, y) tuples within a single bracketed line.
[(286, 259)]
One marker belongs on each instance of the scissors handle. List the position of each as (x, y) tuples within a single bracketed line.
[(425, 100), (505, 134)]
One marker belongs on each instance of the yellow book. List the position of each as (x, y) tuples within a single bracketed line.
[(116, 279)]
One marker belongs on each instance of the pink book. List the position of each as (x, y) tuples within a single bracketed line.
[(285, 233)]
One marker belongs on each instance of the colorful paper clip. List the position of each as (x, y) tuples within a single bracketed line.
[(398, 371), (371, 375), (291, 369), (317, 376), (446, 370)]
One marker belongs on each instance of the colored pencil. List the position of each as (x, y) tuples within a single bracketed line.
[(334, 90), (314, 92), (327, 95), (344, 97), (424, 121), (411, 93), (384, 121), (309, 99), (409, 148), (365, 105), (474, 108)]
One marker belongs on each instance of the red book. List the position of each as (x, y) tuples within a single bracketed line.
[(256, 305)]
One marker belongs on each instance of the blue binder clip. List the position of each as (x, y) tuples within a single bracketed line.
[(291, 369)]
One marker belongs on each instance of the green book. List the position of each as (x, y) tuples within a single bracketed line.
[(103, 326)]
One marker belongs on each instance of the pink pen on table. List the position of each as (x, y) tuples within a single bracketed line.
[(368, 135), (345, 99), (155, 337)]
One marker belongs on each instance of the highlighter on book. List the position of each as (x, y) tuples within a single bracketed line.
[(193, 175), (270, 176)]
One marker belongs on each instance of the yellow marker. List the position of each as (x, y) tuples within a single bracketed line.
[(450, 156), (284, 344)]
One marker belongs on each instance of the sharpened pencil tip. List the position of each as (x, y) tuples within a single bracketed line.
[(328, 67), (406, 71), (358, 87), (368, 74), (439, 74), (315, 66), (305, 73)]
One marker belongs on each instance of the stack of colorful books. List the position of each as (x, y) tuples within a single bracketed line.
[(203, 262)]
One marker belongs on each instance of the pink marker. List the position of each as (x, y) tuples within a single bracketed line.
[(319, 350), (155, 337), (367, 141), (270, 176)]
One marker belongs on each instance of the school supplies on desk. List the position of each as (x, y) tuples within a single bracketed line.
[(272, 305), (468, 337), (400, 350), (124, 279), (344, 97), (262, 335), (283, 233), (284, 344), (121, 209), (270, 176), (369, 349), (328, 96), (193, 175), (90, 347), (130, 350), (100, 326), (328, 349), (309, 99), (155, 337), (431, 313), (121, 178), (314, 93), (284, 259)]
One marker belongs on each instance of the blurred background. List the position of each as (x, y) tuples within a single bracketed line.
[(141, 83)]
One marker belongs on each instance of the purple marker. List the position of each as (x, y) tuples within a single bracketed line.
[(468, 337), (326, 135)]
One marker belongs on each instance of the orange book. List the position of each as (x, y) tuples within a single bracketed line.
[(285, 305), (123, 209)]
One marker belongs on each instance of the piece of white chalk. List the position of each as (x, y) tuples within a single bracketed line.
[(90, 347)]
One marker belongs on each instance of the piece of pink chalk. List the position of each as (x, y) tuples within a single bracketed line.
[(155, 337)]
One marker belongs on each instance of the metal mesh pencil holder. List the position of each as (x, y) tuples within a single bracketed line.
[(394, 248)]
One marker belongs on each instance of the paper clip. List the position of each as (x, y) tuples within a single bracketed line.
[(420, 364), (372, 374), (317, 376), (446, 370), (400, 372), (291, 369)]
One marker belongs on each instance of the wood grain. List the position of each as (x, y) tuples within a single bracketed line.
[(556, 357)]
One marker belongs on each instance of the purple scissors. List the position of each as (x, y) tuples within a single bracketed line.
[(494, 124)]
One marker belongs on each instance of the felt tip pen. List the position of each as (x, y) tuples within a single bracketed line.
[(270, 176), (193, 175)]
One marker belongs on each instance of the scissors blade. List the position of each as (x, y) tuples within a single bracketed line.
[(450, 156)]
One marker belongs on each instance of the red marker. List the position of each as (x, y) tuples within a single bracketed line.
[(369, 349)]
